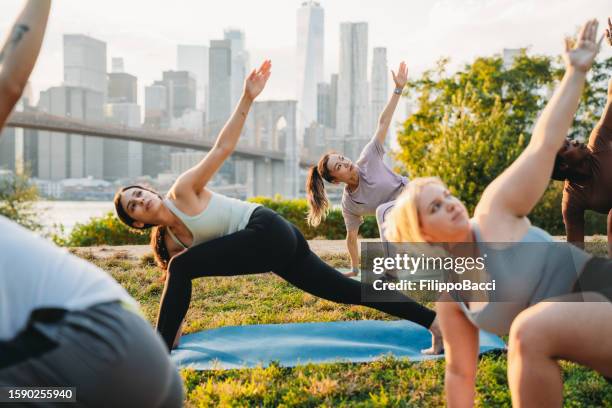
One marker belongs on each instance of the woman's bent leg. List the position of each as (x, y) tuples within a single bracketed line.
[(266, 243), (549, 331)]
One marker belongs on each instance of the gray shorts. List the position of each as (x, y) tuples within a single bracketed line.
[(111, 355)]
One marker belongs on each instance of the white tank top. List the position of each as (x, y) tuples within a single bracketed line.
[(222, 216), (36, 274)]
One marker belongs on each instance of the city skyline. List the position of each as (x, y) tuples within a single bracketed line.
[(417, 33)]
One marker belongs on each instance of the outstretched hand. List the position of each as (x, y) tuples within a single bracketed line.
[(401, 77), (582, 54), (256, 81), (609, 31)]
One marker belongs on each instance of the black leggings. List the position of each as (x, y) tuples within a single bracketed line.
[(270, 243)]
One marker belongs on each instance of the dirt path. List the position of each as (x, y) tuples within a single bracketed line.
[(319, 246)]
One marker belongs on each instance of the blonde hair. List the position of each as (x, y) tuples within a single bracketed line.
[(402, 223)]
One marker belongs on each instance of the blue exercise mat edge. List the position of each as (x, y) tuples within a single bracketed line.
[(292, 344)]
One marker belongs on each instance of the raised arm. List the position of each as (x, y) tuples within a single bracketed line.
[(518, 189), (19, 53), (461, 353), (194, 179), (384, 121)]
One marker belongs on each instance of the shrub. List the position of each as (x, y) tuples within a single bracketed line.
[(295, 211), (108, 230), (17, 198)]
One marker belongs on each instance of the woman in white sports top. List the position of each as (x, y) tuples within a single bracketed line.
[(221, 236)]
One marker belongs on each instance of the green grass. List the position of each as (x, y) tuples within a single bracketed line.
[(260, 299)]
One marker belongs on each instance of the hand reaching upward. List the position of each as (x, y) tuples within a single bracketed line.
[(401, 77), (256, 81), (581, 55)]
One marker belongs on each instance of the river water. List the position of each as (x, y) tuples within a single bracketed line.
[(68, 213)]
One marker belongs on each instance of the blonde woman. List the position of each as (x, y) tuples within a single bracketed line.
[(540, 332)]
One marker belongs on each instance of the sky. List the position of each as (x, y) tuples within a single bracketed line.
[(145, 32)]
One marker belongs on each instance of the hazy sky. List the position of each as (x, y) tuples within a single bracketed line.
[(145, 32)]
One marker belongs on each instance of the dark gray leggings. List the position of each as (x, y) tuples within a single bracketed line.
[(112, 356), (270, 243)]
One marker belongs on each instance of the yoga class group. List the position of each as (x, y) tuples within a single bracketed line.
[(65, 322)]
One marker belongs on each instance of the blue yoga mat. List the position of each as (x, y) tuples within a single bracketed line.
[(300, 343)]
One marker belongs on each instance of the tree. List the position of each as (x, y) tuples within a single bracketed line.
[(470, 125), (17, 198)]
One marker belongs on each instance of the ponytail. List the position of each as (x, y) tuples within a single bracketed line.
[(160, 251), (318, 203)]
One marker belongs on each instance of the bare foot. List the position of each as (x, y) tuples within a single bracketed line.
[(437, 346)]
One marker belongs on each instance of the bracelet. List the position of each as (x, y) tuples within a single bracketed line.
[(356, 269), (398, 91)]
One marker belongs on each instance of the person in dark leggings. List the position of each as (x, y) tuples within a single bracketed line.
[(270, 243), (221, 236)]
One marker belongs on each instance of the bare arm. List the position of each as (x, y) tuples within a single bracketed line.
[(384, 121), (606, 115), (518, 189), (601, 136), (461, 352), (573, 219), (196, 178), (19, 53), (353, 247)]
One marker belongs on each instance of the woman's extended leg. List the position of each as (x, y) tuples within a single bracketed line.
[(308, 272), (549, 331), (270, 243)]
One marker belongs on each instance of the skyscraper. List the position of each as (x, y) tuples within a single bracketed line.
[(156, 106), (70, 156), (240, 61), (85, 81), (122, 158), (122, 87), (194, 58), (181, 88), (324, 104), (352, 117), (219, 74), (333, 100), (310, 67), (378, 86), (85, 62), (155, 157)]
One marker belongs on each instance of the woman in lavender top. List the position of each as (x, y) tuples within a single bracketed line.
[(371, 188)]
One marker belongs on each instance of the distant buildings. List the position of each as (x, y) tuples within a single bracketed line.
[(180, 92), (220, 85), (195, 59), (85, 62), (310, 61), (239, 63), (352, 112), (122, 159), (82, 96), (379, 89), (61, 155)]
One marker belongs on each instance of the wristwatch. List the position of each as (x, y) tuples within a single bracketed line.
[(398, 91)]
